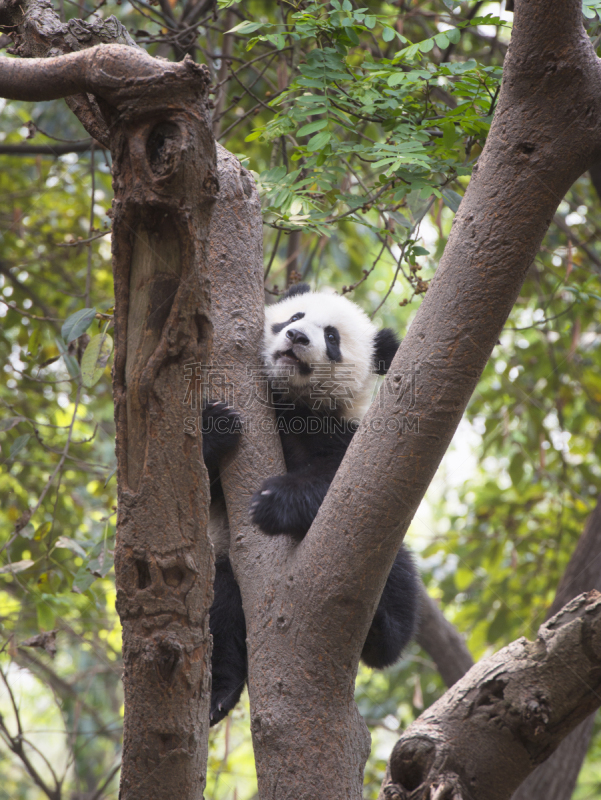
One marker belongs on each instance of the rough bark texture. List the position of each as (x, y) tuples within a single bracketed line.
[(323, 594), (308, 606), (556, 778), (483, 737), (165, 183)]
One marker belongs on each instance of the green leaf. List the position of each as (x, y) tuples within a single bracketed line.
[(442, 40), (312, 127), (516, 469), (449, 136), (19, 444), (82, 581), (46, 616), (8, 423), (453, 35), (70, 544), (426, 45), (388, 34), (16, 566), (42, 530), (35, 340), (77, 324), (451, 199), (319, 141), (95, 359), (370, 22), (70, 361), (397, 78), (248, 27)]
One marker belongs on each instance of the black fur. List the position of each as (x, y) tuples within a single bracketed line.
[(294, 290), (289, 503), (314, 444), (221, 428), (385, 346), (228, 628)]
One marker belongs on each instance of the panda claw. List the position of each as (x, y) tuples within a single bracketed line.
[(266, 492)]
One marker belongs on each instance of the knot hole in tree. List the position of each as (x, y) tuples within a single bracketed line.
[(410, 764), (163, 149), (168, 659)]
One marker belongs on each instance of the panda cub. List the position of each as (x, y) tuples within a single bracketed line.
[(321, 353)]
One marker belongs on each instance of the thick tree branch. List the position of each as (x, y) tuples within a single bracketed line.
[(535, 150), (46, 149), (442, 641), (483, 737), (116, 73), (556, 778)]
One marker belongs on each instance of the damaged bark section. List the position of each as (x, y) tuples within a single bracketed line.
[(154, 113), (165, 183), (508, 714)]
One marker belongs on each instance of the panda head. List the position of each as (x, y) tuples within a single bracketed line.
[(318, 343)]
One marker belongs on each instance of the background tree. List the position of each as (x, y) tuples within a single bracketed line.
[(310, 211)]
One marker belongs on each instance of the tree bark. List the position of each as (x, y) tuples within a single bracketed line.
[(324, 591), (309, 606), (555, 779), (165, 183), (483, 737)]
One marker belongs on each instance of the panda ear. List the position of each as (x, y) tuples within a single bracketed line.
[(386, 344), (295, 289)]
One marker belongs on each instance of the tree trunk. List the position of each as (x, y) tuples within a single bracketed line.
[(165, 183), (308, 606), (312, 623)]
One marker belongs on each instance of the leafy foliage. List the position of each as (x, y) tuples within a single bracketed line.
[(362, 125)]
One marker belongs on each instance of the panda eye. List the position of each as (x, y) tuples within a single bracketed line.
[(295, 317), (331, 338)]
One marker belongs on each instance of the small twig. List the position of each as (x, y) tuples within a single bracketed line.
[(84, 241), (273, 253), (22, 311)]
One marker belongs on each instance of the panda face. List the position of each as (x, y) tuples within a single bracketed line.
[(317, 341)]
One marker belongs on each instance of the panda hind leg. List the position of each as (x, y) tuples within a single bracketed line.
[(396, 617), (228, 628)]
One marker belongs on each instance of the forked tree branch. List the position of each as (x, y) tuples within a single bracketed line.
[(509, 712), (555, 778)]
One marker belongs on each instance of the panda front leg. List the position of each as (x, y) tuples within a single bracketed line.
[(396, 617), (289, 503), (221, 428), (229, 665)]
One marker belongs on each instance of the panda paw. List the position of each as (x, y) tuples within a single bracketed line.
[(221, 429), (275, 510)]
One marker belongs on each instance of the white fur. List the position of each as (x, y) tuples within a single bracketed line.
[(219, 528), (357, 335)]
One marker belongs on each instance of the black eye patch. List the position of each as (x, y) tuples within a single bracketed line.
[(279, 326), (332, 339)]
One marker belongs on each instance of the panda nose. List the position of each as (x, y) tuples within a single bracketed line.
[(296, 337)]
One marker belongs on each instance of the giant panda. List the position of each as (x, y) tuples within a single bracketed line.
[(321, 353)]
